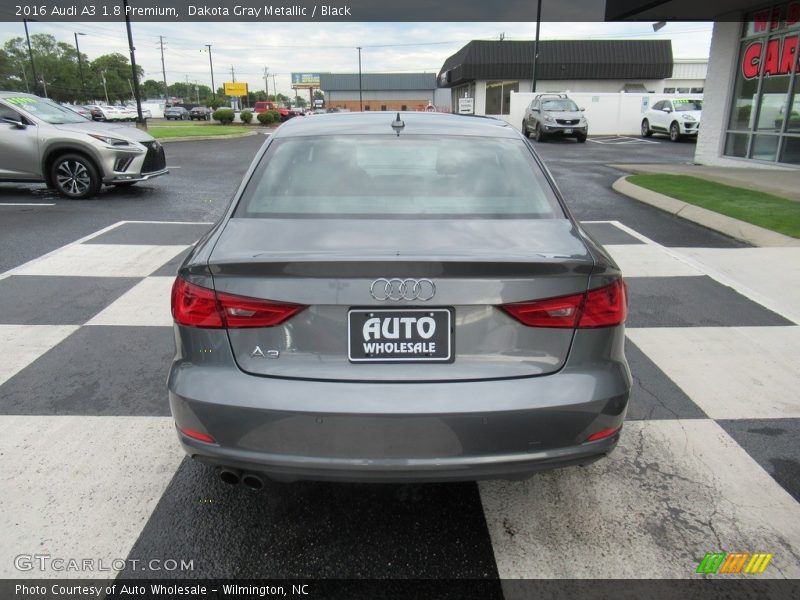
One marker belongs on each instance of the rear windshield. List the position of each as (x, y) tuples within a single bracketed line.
[(398, 176)]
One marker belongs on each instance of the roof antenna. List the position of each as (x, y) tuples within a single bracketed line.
[(398, 124)]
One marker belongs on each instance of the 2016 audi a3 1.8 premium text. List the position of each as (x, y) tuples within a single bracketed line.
[(393, 298)]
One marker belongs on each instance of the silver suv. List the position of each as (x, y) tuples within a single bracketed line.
[(554, 115), (42, 141)]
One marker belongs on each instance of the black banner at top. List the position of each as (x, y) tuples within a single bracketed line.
[(303, 10)]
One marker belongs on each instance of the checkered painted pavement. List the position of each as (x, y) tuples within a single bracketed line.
[(708, 458)]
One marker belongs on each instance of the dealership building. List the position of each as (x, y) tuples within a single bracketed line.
[(751, 111), (489, 71), (382, 91)]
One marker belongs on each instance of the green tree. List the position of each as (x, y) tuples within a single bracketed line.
[(152, 89), (117, 72), (300, 101)]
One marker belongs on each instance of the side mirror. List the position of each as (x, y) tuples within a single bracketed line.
[(17, 123), (534, 110), (582, 109), (667, 109)]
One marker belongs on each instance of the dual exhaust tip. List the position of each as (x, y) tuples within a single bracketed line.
[(235, 477)]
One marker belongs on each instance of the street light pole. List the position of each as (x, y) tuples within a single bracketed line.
[(30, 54), (360, 92), (211, 66), (536, 44), (80, 63), (139, 119)]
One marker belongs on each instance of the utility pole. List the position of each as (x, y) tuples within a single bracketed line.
[(25, 77), (211, 65), (163, 68), (105, 90), (139, 119), (274, 88), (233, 75), (80, 63), (197, 92), (30, 54), (360, 93), (536, 44), (266, 80)]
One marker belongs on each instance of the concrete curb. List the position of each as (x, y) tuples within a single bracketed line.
[(745, 232), (200, 138)]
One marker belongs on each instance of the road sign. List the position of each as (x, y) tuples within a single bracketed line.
[(235, 88)]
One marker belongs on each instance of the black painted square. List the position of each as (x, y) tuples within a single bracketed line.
[(693, 302), (773, 443), (50, 300), (110, 371)]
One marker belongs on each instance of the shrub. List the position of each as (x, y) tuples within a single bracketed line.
[(223, 115), (265, 118), (276, 116), (246, 116)]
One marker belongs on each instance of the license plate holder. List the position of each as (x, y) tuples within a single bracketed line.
[(388, 335), (568, 131)]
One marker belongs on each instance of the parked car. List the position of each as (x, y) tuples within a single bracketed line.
[(146, 113), (554, 115), (96, 111), (677, 117), (80, 110), (201, 113), (128, 113), (457, 323), (43, 141), (178, 113)]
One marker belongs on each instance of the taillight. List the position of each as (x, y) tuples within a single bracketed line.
[(239, 311), (197, 435), (552, 312), (603, 433), (601, 307), (605, 306), (196, 306)]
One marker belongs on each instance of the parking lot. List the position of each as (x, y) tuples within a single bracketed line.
[(708, 460)]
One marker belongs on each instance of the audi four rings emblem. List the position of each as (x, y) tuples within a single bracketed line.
[(397, 289)]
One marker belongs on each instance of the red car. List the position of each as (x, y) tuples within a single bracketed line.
[(265, 105)]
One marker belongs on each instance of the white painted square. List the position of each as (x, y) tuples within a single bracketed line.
[(80, 487), (145, 304), (730, 372), (103, 260), (669, 493), (20, 345), (646, 260)]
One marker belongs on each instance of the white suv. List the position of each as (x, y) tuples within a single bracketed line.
[(677, 117)]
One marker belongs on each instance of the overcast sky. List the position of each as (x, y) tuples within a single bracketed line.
[(328, 47)]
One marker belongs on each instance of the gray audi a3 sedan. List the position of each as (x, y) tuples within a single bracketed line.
[(393, 298)]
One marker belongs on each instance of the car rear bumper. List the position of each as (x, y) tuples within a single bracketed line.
[(370, 431)]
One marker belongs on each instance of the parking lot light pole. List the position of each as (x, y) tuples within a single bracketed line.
[(80, 63), (536, 44), (30, 54), (360, 96)]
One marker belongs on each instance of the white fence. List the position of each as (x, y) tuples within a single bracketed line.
[(608, 114)]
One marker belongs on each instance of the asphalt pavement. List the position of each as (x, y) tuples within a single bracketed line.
[(707, 462)]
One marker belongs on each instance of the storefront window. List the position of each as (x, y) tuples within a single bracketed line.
[(498, 96), (765, 106)]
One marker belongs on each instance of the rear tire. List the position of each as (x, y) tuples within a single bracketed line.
[(74, 176), (675, 132), (646, 131)]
